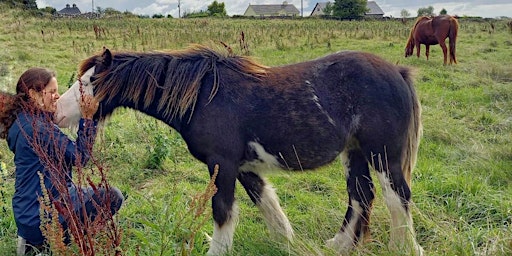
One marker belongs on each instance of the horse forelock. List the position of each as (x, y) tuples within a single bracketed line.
[(177, 76), (86, 65)]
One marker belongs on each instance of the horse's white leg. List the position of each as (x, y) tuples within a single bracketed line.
[(402, 235), (265, 198), (222, 239), (361, 192), (346, 239), (273, 213)]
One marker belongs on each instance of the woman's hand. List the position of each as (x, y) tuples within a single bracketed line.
[(88, 106)]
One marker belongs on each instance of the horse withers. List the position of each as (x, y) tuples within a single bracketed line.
[(431, 31), (247, 118)]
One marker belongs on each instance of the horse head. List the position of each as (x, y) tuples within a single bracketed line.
[(409, 48), (68, 106)]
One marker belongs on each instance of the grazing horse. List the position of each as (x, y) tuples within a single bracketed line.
[(431, 31), (247, 118)]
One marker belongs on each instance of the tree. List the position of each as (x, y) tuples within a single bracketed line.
[(99, 10), (349, 9), (404, 13), (443, 12), (30, 4), (428, 11), (217, 9), (328, 9), (49, 9)]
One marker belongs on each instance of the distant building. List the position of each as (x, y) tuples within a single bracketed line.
[(318, 10), (70, 11), (272, 10), (374, 10)]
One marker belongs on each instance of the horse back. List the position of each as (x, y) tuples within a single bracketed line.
[(308, 111)]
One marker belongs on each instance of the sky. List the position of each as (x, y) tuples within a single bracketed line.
[(482, 8)]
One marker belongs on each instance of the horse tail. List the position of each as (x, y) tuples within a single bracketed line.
[(415, 130), (452, 35)]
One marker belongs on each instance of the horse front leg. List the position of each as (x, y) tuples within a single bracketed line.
[(265, 198), (361, 193), (418, 50), (225, 210), (427, 51)]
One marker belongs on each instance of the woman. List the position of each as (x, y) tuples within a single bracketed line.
[(43, 154)]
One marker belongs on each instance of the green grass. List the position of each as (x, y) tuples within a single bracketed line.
[(461, 185)]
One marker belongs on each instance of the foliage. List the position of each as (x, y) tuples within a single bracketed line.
[(426, 11), (349, 9), (217, 9), (199, 14), (158, 150), (24, 4), (329, 8), (443, 12), (404, 13)]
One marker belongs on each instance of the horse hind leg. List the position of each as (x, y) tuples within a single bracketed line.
[(361, 193), (445, 51), (265, 198), (397, 196)]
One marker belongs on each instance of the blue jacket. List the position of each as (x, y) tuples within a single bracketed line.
[(40, 146)]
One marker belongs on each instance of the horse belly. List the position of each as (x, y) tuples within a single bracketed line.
[(289, 156)]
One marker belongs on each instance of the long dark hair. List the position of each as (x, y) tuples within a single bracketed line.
[(11, 104)]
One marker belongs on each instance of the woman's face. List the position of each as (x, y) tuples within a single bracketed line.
[(47, 98)]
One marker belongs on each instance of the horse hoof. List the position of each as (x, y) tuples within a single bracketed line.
[(338, 246)]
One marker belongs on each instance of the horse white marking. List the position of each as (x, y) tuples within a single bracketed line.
[(269, 202), (343, 242), (317, 102), (273, 213), (68, 108), (222, 240), (402, 232), (265, 162)]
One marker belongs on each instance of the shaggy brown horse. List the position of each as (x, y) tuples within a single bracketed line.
[(248, 118), (431, 31)]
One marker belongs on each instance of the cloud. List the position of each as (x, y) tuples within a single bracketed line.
[(151, 9), (483, 8)]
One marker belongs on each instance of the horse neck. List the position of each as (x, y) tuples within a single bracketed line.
[(151, 110)]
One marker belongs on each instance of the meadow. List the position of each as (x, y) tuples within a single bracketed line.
[(462, 184)]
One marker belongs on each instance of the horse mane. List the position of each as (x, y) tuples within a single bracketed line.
[(135, 76)]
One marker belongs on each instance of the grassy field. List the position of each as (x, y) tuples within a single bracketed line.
[(461, 185)]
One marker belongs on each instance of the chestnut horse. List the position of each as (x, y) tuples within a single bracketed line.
[(248, 118), (431, 31)]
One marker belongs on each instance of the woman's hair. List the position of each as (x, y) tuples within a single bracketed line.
[(10, 104)]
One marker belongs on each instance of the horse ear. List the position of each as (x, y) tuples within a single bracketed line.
[(107, 57)]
